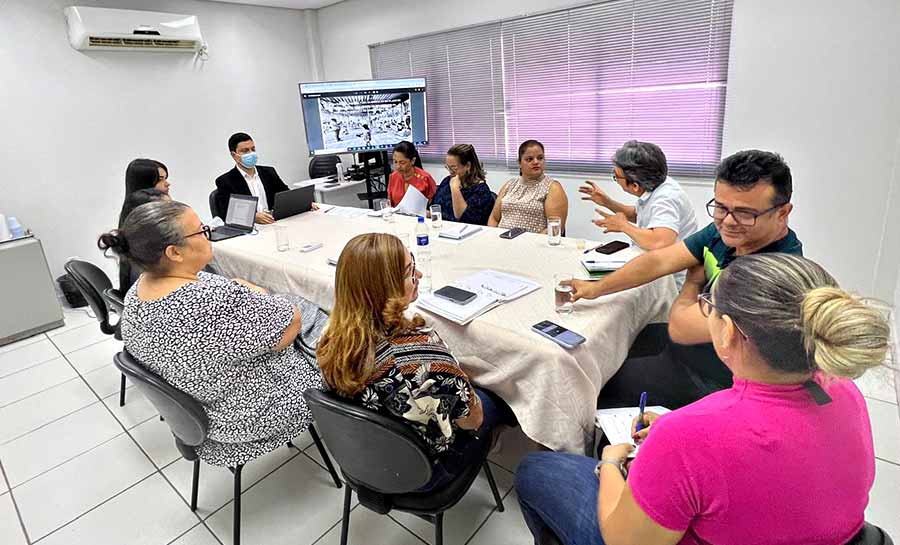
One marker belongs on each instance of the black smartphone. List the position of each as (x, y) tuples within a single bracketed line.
[(456, 295), (613, 247), (558, 334), (512, 233)]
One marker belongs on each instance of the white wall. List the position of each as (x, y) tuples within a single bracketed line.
[(815, 80), (72, 120)]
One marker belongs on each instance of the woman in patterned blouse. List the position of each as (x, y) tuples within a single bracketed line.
[(464, 196), (527, 201), (227, 343), (371, 353)]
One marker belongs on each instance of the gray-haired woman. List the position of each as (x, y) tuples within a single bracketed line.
[(227, 343), (784, 456)]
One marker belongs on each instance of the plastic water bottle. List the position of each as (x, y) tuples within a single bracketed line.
[(15, 228), (340, 171), (423, 255)]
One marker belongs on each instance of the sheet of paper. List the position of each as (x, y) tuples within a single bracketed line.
[(347, 212), (460, 314), (616, 423), (413, 203), (459, 231), (505, 287)]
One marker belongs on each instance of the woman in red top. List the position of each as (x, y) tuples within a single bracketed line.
[(408, 172)]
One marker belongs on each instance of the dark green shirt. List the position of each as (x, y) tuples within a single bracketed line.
[(706, 369), (709, 249)]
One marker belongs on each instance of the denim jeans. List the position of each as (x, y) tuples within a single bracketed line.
[(468, 445), (558, 492)]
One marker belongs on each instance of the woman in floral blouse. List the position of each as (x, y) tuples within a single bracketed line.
[(372, 354)]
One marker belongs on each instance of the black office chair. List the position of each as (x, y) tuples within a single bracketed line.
[(189, 424), (869, 535), (97, 290), (376, 172), (323, 165), (385, 462), (214, 206)]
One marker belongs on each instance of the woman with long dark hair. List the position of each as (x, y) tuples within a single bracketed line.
[(408, 172), (464, 195)]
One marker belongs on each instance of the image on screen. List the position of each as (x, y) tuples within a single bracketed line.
[(363, 115)]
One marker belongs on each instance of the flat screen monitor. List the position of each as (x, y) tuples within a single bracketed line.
[(369, 115)]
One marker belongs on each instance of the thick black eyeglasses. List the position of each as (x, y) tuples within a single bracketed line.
[(746, 218), (707, 306), (205, 230), (412, 266)]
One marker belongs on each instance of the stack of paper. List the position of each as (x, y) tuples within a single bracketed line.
[(347, 211), (460, 314), (491, 288), (459, 231), (413, 203)]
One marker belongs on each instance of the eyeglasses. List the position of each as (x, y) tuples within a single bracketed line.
[(704, 300), (205, 230), (746, 218), (412, 267), (450, 168)]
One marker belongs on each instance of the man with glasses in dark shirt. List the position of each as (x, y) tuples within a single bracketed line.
[(675, 363)]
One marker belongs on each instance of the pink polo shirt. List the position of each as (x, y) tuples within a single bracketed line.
[(760, 464)]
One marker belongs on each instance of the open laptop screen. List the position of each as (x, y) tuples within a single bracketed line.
[(241, 211)]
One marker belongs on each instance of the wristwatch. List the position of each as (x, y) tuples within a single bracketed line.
[(618, 465)]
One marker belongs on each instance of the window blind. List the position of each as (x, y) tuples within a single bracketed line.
[(582, 81)]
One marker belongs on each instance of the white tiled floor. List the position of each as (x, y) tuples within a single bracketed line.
[(85, 471)]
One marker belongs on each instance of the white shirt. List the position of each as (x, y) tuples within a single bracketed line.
[(257, 189), (668, 206)]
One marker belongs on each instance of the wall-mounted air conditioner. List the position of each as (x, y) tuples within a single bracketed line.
[(131, 30)]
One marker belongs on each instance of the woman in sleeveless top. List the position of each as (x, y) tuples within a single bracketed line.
[(527, 201)]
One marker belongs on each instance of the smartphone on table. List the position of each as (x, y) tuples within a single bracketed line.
[(512, 233), (558, 334), (613, 247), (456, 295)]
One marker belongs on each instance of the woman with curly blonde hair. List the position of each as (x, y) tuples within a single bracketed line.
[(376, 356)]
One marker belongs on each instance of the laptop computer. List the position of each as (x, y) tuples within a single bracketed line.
[(292, 202), (239, 219)]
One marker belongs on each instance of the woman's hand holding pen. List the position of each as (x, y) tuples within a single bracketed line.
[(639, 436)]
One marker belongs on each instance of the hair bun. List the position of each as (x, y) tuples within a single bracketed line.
[(114, 241), (843, 335)]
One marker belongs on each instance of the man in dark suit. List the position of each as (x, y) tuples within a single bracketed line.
[(248, 178)]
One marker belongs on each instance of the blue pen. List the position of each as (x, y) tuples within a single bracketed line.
[(640, 423)]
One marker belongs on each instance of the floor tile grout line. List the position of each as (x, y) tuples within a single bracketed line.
[(895, 403), (66, 461), (141, 448), (261, 479), (12, 498), (44, 425), (885, 460), (184, 533), (99, 505), (33, 365), (45, 389)]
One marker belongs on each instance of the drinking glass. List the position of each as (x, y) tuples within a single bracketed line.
[(387, 212), (282, 238), (436, 217), (554, 231), (562, 293)]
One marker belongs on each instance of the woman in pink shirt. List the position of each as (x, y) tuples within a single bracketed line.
[(783, 457)]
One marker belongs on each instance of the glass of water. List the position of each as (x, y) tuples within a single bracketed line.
[(282, 238), (436, 217), (387, 211), (554, 230), (562, 293)]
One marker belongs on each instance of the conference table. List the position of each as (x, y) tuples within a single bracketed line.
[(551, 390)]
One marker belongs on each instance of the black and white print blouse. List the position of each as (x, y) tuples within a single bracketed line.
[(417, 380), (213, 340)]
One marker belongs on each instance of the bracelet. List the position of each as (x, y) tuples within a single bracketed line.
[(617, 464)]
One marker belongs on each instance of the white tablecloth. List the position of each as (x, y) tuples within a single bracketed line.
[(552, 391)]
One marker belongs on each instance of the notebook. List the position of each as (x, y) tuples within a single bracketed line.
[(459, 231), (492, 288)]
